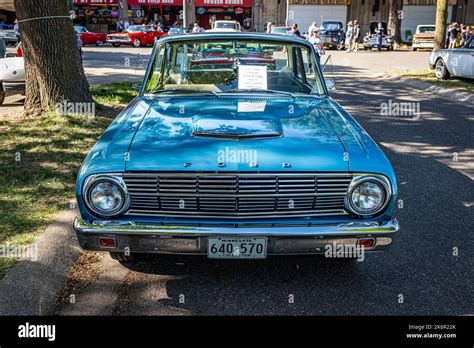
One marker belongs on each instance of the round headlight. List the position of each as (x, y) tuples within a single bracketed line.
[(367, 196), (105, 196)]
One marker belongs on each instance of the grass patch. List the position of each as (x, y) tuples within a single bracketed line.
[(39, 161), (429, 76)]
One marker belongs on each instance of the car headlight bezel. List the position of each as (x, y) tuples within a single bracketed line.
[(357, 181), (92, 181)]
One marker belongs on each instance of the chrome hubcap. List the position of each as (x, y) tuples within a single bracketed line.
[(439, 69)]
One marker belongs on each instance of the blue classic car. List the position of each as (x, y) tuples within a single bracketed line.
[(234, 149), (332, 35)]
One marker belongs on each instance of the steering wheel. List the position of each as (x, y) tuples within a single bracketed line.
[(299, 84)]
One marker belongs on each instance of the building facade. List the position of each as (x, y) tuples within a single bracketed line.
[(415, 12), (102, 15)]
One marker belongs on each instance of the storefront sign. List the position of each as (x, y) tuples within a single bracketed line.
[(224, 3), (156, 2)]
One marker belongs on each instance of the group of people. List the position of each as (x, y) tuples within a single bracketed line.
[(458, 35), (353, 36)]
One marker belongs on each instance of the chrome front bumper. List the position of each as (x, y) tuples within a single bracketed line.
[(121, 41), (192, 239)]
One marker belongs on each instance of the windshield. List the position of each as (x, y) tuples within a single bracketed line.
[(135, 28), (224, 25), (217, 66), (426, 30), (331, 26), (280, 30)]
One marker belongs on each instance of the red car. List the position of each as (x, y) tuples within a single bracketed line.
[(89, 38), (136, 35), (225, 57)]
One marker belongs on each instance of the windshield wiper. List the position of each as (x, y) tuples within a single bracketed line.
[(258, 90), (183, 90)]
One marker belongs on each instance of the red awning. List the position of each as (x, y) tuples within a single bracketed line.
[(155, 2), (223, 3), (96, 2)]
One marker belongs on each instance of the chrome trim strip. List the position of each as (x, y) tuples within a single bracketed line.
[(131, 228), (114, 178), (359, 179)]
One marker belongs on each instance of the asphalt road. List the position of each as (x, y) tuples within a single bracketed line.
[(428, 270)]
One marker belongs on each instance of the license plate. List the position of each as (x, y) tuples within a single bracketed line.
[(237, 248)]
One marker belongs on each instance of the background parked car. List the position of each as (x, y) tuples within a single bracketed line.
[(176, 31), (136, 35), (89, 38), (12, 76), (6, 30), (454, 61), (280, 30), (424, 37), (370, 39), (332, 35), (225, 26)]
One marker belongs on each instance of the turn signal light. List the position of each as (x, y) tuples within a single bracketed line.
[(366, 243), (107, 242)]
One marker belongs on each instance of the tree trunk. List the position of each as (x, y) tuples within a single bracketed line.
[(54, 71), (395, 15), (441, 22)]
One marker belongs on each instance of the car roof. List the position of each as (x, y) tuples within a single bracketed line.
[(234, 36), (426, 25)]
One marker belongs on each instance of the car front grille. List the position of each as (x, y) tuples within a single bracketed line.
[(237, 195)]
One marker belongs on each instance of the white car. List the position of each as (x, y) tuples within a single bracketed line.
[(424, 37), (12, 76), (225, 26), (454, 61)]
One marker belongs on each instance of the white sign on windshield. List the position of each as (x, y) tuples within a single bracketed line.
[(252, 77)]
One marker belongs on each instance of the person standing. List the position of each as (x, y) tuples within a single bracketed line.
[(453, 35), (349, 36), (294, 31), (379, 32), (312, 27), (316, 42), (269, 27), (356, 39), (119, 26), (16, 29), (126, 24)]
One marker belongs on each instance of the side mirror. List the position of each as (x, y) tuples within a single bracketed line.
[(331, 85), (137, 86)]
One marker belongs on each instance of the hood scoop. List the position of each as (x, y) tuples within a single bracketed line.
[(237, 129)]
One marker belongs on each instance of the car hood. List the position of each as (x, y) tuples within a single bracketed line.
[(237, 133)]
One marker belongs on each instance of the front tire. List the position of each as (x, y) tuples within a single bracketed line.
[(414, 49), (99, 43), (2, 94), (116, 44), (137, 43), (441, 71), (121, 257)]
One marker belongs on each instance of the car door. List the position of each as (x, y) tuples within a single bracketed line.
[(461, 61), (469, 66)]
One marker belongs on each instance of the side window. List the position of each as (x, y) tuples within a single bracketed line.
[(299, 65), (156, 72)]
